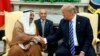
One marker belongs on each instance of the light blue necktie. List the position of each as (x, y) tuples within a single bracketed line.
[(43, 26), (71, 38)]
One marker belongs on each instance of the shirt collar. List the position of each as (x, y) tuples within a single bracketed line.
[(42, 20), (74, 18)]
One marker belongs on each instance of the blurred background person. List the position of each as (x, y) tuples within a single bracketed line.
[(45, 28)]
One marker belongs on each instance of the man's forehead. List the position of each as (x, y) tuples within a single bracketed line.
[(43, 11)]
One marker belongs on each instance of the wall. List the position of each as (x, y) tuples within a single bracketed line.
[(53, 9)]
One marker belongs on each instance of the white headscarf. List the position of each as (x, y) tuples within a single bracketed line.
[(28, 28)]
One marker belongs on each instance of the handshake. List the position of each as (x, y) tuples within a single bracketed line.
[(34, 40), (39, 39)]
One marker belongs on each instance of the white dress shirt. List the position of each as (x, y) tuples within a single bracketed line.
[(74, 31)]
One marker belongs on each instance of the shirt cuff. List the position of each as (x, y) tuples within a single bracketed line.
[(22, 46), (45, 40), (83, 52)]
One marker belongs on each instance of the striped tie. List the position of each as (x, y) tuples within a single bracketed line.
[(71, 38)]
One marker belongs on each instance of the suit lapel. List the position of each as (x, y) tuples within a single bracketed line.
[(66, 27), (40, 26), (78, 26), (78, 21), (46, 25), (66, 30)]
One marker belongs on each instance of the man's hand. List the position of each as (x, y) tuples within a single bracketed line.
[(39, 39), (82, 53), (27, 46)]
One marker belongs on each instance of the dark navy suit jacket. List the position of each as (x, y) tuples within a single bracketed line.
[(48, 30), (83, 31)]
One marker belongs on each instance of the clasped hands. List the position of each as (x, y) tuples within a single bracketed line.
[(36, 39), (39, 39)]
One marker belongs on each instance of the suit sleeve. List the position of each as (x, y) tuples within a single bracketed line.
[(57, 36), (89, 36)]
